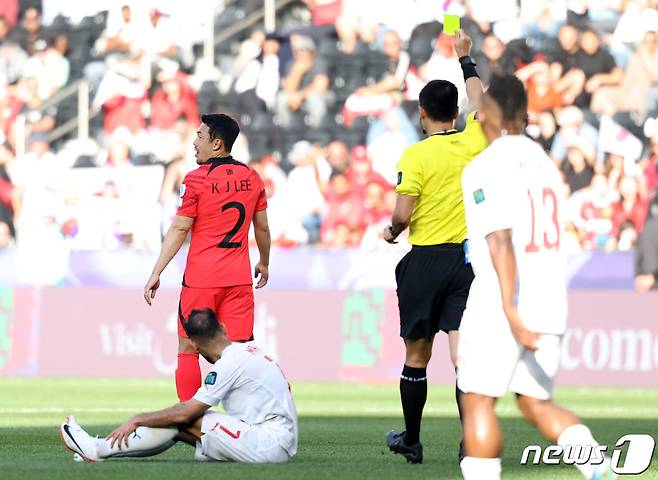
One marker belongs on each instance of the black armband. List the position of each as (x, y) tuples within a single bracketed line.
[(468, 67)]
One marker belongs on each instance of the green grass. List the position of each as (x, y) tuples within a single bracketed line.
[(342, 429)]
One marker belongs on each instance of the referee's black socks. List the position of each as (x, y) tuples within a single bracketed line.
[(413, 392)]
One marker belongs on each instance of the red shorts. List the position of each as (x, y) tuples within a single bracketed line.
[(234, 307)]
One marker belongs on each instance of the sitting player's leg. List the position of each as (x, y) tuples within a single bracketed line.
[(235, 309), (483, 438), (225, 438), (144, 442), (188, 371)]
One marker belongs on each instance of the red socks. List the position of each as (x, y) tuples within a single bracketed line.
[(188, 375)]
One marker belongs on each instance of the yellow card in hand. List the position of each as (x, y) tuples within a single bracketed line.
[(450, 24)]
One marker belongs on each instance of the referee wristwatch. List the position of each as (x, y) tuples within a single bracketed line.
[(392, 232)]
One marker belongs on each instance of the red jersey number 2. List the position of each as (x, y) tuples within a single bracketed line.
[(548, 228), (227, 241)]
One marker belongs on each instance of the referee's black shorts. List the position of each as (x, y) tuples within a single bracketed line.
[(432, 285)]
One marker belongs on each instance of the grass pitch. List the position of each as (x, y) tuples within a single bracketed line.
[(342, 429)]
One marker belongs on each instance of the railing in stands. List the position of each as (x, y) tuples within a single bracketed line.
[(79, 122)]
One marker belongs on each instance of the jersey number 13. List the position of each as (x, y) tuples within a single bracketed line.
[(545, 225)]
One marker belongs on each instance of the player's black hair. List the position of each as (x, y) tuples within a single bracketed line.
[(439, 99), (202, 324), (223, 127), (510, 95)]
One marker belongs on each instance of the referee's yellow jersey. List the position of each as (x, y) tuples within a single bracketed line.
[(431, 170)]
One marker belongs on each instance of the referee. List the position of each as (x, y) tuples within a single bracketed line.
[(434, 278)]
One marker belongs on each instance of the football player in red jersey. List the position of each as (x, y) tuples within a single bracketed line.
[(218, 201)]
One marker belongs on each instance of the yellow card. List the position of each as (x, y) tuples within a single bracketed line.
[(450, 24)]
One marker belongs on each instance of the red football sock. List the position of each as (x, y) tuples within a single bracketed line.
[(188, 375)]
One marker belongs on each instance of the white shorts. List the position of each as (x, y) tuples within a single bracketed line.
[(491, 362), (228, 439)]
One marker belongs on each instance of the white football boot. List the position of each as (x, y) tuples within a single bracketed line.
[(78, 441)]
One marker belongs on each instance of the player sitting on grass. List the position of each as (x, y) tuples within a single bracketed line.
[(259, 426)]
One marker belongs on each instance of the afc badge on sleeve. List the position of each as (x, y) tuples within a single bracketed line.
[(211, 378), (181, 193)]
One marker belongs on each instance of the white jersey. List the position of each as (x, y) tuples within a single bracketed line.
[(252, 388), (514, 185)]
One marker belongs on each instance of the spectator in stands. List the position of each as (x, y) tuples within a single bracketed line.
[(489, 61), (258, 84), (374, 204), (8, 199), (304, 187), (9, 10), (38, 121), (118, 153), (30, 30), (569, 79), (597, 64), (543, 130), (577, 171), (123, 91), (5, 235), (646, 252), (574, 131), (355, 24), (338, 156), (383, 95), (175, 99), (12, 56), (344, 221), (159, 37), (233, 68), (591, 214), (305, 86), (39, 167), (385, 148), (628, 95), (10, 106), (324, 12), (630, 207), (360, 172), (120, 35), (542, 93), (637, 17), (49, 67), (627, 237), (651, 166)]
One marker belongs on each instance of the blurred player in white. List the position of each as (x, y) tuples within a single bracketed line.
[(260, 420), (517, 307)]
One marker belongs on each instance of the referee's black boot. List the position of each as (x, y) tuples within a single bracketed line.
[(413, 453)]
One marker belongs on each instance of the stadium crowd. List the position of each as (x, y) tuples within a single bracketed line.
[(327, 103)]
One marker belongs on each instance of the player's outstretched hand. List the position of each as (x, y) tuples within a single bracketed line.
[(151, 287), (120, 435), (463, 44), (264, 272), (522, 335)]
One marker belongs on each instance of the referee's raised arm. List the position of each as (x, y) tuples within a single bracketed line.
[(434, 278)]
